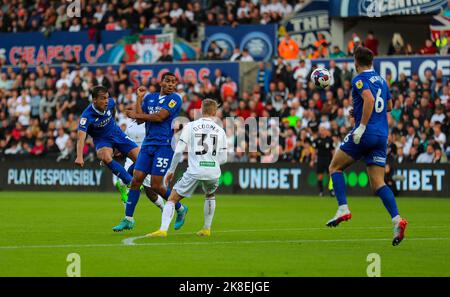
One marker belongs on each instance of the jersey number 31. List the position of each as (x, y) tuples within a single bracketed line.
[(204, 146)]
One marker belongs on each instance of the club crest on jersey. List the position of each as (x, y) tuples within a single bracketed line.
[(83, 121), (359, 84), (109, 112), (172, 103)]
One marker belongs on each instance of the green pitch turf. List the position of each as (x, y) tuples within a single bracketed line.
[(252, 236)]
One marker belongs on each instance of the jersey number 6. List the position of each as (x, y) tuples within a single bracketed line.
[(379, 102)]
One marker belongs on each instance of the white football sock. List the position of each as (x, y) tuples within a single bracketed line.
[(344, 208), (159, 202), (129, 218), (208, 211), (167, 215), (396, 219)]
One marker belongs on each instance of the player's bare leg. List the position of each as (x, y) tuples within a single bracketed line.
[(154, 198), (167, 215), (339, 163), (133, 154), (159, 188), (376, 178), (208, 212), (105, 154)]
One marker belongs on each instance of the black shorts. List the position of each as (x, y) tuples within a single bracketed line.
[(322, 165)]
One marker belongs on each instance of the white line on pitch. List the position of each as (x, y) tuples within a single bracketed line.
[(218, 243), (130, 240)]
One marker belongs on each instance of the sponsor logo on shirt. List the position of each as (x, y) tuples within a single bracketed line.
[(359, 84), (172, 103)]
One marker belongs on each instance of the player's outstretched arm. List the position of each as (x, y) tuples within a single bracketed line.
[(368, 105), (80, 145)]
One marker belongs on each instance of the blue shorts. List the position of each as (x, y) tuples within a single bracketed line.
[(117, 140), (371, 147), (154, 160)]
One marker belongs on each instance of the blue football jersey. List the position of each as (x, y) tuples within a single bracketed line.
[(371, 80), (160, 133), (98, 124)]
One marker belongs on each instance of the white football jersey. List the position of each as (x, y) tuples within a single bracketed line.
[(136, 132), (207, 148)]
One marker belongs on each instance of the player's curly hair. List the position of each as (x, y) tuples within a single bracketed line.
[(167, 74), (97, 90)]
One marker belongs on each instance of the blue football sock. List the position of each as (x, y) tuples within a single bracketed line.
[(168, 191), (119, 171), (177, 205), (386, 195), (339, 187), (133, 198), (131, 169)]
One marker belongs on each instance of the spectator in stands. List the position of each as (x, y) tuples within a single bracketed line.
[(246, 57), (165, 56), (337, 53), (428, 156), (428, 49), (215, 52), (353, 43), (236, 56), (396, 47), (372, 43), (288, 49)]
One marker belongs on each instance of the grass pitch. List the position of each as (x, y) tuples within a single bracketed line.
[(252, 236)]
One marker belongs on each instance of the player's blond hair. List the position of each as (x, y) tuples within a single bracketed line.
[(209, 107)]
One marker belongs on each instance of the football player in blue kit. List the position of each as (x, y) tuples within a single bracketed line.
[(368, 141), (97, 120), (157, 110)]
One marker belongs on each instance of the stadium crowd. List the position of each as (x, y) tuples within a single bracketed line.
[(39, 109), (184, 16)]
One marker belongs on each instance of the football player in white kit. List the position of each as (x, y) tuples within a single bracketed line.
[(136, 132), (207, 150)]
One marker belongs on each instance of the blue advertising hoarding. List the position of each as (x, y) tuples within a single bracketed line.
[(186, 71), (36, 48), (380, 8), (396, 65), (260, 40)]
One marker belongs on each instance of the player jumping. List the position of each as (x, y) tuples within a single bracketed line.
[(97, 120), (136, 132), (157, 110), (206, 143), (371, 101)]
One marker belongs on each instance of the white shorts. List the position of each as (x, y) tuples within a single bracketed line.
[(147, 180), (186, 185)]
